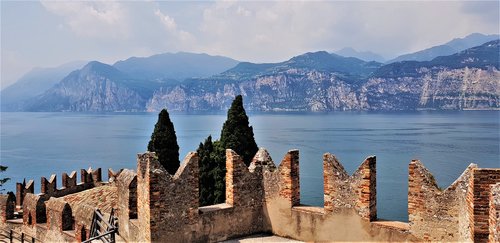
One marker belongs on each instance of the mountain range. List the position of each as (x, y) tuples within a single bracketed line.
[(34, 83), (451, 47), (363, 55), (314, 81)]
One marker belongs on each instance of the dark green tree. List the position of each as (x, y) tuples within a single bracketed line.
[(219, 172), (212, 172), (3, 180), (237, 134), (206, 165), (164, 143)]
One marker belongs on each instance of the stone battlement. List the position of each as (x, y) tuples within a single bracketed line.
[(155, 206), (48, 188)]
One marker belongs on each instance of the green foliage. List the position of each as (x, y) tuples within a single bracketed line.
[(206, 165), (212, 172), (3, 180), (164, 143), (219, 173), (237, 134)]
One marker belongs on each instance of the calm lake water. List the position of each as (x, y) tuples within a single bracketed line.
[(39, 144)]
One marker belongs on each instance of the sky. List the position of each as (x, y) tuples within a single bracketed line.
[(51, 33)]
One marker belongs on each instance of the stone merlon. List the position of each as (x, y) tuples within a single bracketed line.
[(152, 205)]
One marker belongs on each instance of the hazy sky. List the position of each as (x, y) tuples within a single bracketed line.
[(46, 34)]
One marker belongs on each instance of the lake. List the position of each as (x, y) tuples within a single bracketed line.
[(39, 144)]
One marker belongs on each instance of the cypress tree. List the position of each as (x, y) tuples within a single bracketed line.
[(237, 134), (219, 172), (206, 165), (164, 143), (212, 172), (3, 180)]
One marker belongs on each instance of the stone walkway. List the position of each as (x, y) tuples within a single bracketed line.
[(261, 238)]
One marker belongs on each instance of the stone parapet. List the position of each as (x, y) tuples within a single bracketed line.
[(435, 214), (127, 202), (483, 179), (358, 191), (89, 179), (289, 183), (155, 206), (7, 207), (34, 210), (243, 187), (494, 220), (167, 204), (59, 215), (21, 190)]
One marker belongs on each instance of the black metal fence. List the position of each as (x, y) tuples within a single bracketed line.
[(12, 235), (103, 230)]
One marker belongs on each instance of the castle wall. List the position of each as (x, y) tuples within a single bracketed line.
[(241, 214), (435, 214), (21, 190), (155, 206), (127, 204), (89, 179), (7, 207), (46, 216), (494, 219), (173, 201), (358, 191), (82, 216), (483, 179), (34, 210), (167, 205), (349, 204)]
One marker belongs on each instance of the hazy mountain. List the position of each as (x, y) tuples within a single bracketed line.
[(175, 66), (321, 61), (34, 83), (363, 55), (95, 87), (466, 80), (454, 46), (316, 81)]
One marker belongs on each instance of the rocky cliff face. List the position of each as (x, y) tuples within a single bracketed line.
[(466, 88), (466, 80), (96, 87), (311, 82)]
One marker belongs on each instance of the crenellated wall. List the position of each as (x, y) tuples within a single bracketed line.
[(168, 206), (163, 197), (439, 215), (358, 191), (127, 204), (266, 198), (494, 220), (59, 215), (7, 207), (21, 190), (155, 206), (483, 179), (42, 214), (34, 210), (349, 204), (89, 179)]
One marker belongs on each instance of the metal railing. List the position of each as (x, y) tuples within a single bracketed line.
[(12, 235), (103, 230)]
